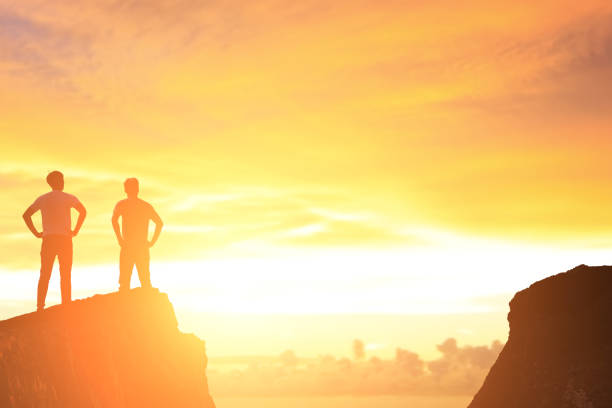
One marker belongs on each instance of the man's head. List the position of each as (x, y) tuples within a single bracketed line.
[(56, 180), (131, 187)]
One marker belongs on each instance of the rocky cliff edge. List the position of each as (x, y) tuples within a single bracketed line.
[(115, 350), (559, 350)]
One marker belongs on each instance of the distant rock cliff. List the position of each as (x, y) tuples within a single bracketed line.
[(559, 352), (117, 350)]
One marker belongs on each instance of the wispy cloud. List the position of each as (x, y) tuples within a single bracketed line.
[(195, 223), (44, 53)]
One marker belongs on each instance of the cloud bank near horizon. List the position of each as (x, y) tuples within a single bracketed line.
[(459, 371)]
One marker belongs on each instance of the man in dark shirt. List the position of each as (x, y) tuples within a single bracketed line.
[(133, 236)]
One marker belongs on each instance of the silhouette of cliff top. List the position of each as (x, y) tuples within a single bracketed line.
[(559, 350), (564, 293), (114, 350), (136, 307)]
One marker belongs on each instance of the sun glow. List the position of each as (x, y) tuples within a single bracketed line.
[(404, 280)]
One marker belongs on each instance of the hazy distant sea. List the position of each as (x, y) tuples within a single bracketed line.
[(343, 402)]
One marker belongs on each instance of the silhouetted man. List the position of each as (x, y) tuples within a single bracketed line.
[(133, 236), (56, 235)]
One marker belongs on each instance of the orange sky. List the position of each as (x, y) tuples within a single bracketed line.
[(428, 141)]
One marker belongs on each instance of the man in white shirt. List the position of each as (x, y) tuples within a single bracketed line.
[(133, 235), (56, 235)]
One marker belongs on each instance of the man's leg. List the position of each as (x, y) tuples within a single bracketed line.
[(142, 264), (126, 265), (64, 255), (47, 256)]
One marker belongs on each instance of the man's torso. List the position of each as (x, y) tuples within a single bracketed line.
[(55, 209), (135, 215)]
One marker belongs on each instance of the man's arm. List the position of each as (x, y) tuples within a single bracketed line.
[(115, 221), (82, 213), (27, 217), (158, 226)]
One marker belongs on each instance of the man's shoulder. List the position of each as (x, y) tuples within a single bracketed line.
[(44, 196), (135, 203), (147, 208), (120, 204), (144, 203), (69, 196), (50, 196)]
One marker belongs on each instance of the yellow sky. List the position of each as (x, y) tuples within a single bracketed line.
[(337, 135)]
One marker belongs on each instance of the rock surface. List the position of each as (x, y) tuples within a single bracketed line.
[(115, 350), (559, 351)]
